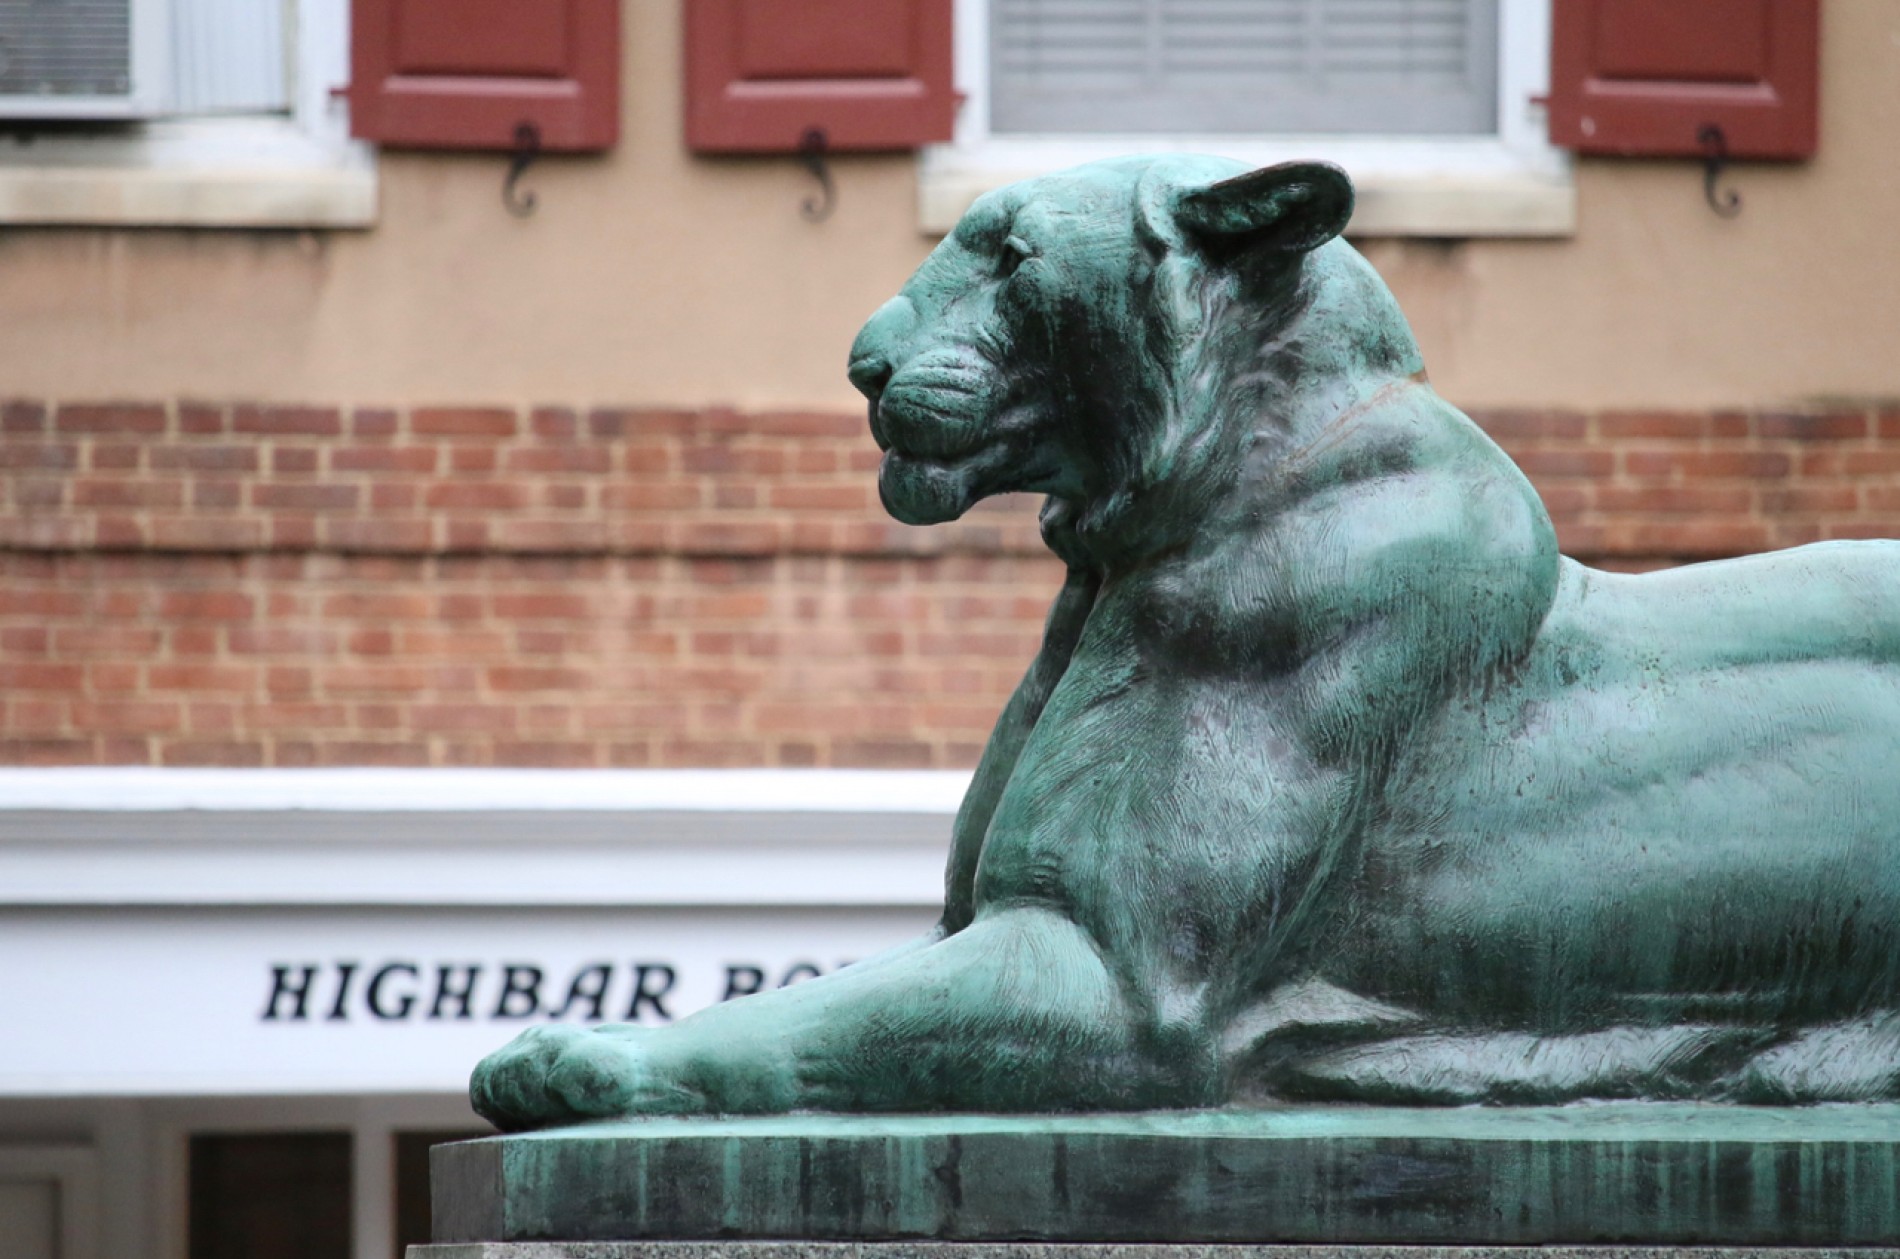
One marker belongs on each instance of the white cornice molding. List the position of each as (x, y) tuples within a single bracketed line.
[(369, 790), (76, 838)]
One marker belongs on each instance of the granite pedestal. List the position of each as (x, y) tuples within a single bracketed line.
[(918, 1187)]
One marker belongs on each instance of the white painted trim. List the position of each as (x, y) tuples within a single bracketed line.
[(369, 861), (1523, 83), (267, 1084), (321, 64), (970, 49), (73, 1170), (1511, 184), (139, 789), (372, 1119), (122, 837), (299, 171)]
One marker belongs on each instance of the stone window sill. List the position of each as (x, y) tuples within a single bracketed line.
[(1434, 188), (252, 172)]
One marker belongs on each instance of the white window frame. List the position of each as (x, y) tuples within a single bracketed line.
[(300, 170), (1514, 183)]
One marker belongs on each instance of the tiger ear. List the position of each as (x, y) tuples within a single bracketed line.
[(1292, 207)]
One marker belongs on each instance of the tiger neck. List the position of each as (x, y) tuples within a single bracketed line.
[(1254, 390)]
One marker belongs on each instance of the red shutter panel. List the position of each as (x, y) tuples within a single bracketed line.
[(1643, 77), (870, 74), (466, 74)]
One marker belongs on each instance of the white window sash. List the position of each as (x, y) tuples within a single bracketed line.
[(1133, 66), (1513, 183), (300, 170)]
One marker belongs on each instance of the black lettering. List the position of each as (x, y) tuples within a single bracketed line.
[(594, 994), (743, 981), (643, 995), (405, 1002), (523, 982), (444, 992), (798, 971), (281, 987), (339, 1012)]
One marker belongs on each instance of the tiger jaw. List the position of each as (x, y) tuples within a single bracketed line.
[(933, 457), (946, 448), (924, 490), (920, 492)]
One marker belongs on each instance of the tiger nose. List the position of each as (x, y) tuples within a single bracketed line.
[(869, 375), (874, 353)]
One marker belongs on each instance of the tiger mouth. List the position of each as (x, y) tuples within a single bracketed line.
[(950, 439), (939, 405), (921, 490), (913, 423), (936, 465)]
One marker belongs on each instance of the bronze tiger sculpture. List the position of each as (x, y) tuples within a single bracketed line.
[(1332, 779)]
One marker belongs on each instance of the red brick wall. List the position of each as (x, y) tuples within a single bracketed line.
[(238, 585)]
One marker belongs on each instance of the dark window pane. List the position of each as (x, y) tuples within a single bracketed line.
[(412, 1182), (270, 1195)]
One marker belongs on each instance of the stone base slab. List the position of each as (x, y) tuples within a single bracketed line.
[(1644, 1174), (1085, 1250)]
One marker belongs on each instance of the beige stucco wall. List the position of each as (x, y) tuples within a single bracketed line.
[(652, 277)]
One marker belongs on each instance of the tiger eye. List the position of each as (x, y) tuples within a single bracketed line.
[(1016, 251)]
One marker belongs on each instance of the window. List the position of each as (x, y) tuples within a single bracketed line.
[(286, 1195), (198, 112), (1292, 66), (414, 1222), (1430, 104)]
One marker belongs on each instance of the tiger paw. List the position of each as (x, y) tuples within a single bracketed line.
[(558, 1075)]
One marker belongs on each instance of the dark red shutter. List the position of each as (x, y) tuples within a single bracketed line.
[(465, 74), (870, 74), (1644, 77)]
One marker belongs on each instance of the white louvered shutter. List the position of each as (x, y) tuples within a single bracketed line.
[(80, 48), (1392, 67)]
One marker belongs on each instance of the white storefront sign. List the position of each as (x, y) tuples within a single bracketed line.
[(290, 932)]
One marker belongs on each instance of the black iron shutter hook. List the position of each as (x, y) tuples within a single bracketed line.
[(812, 148), (527, 148), (1714, 142)]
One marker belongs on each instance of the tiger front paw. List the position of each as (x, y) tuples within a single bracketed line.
[(561, 1074)]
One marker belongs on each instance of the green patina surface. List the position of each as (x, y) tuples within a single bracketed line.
[(1648, 1172), (1332, 780)]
